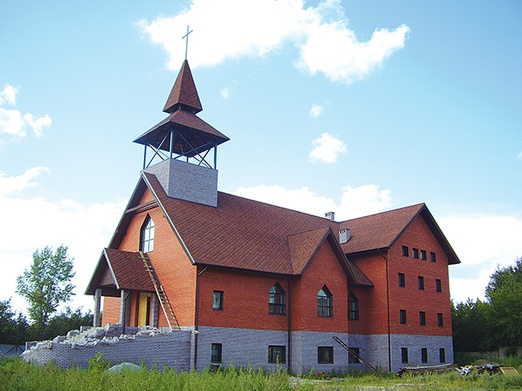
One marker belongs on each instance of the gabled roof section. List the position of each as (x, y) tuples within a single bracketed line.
[(184, 93), (118, 270), (381, 230)]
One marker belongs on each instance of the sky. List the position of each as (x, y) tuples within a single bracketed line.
[(355, 107)]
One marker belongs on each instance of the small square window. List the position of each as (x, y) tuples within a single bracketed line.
[(215, 355), (442, 355), (420, 281), (440, 320), (422, 318), (415, 253), (405, 251), (353, 355), (402, 280), (325, 355), (404, 355), (217, 303), (423, 255), (402, 316), (424, 355), (433, 257), (277, 354), (438, 285)]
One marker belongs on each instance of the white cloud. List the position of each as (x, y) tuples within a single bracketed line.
[(231, 29), (225, 93), (519, 156), (13, 123), (355, 201), (85, 229), (316, 110), (8, 95), (327, 149)]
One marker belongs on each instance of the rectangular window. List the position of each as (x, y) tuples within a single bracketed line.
[(405, 251), (402, 316), (421, 283), (277, 354), (402, 280), (325, 355), (423, 255), (442, 355), (217, 303), (433, 257), (438, 285), (440, 320), (352, 356), (415, 253), (422, 318), (424, 355), (404, 355), (353, 307), (215, 355)]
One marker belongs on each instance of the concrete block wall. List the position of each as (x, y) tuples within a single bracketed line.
[(163, 349)]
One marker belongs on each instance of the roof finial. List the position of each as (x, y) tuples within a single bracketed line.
[(186, 36)]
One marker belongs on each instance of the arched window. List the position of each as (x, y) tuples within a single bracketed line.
[(324, 302), (353, 307), (276, 300), (147, 235)]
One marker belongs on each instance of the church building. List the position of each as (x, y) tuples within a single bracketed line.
[(267, 286)]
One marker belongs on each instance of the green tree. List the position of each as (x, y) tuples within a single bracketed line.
[(470, 326), (504, 293), (46, 285), (12, 326)]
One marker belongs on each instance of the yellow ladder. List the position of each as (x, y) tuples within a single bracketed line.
[(160, 292)]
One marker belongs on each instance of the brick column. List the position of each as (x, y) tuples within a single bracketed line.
[(97, 304)]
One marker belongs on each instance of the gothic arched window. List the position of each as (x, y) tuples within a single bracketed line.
[(276, 300), (147, 235), (324, 302)]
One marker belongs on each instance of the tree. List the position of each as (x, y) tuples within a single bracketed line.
[(504, 293), (12, 329), (46, 284)]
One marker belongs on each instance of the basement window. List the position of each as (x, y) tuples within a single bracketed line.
[(276, 354), (325, 355), (352, 356), (404, 355), (216, 353), (424, 355)]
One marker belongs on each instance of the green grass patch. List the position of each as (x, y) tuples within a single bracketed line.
[(15, 374)]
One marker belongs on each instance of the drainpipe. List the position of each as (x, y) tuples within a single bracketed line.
[(289, 326), (196, 318), (388, 308)]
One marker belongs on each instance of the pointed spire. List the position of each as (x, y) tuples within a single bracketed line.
[(184, 94)]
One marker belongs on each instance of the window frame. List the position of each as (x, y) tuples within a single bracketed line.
[(442, 355), (402, 317), (353, 306), (147, 233), (422, 318), (402, 280), (420, 282), (221, 296), (276, 300), (324, 303), (424, 355), (438, 285), (352, 359), (404, 356), (276, 353), (433, 256), (440, 319), (423, 255), (415, 253), (405, 251), (216, 356), (325, 355)]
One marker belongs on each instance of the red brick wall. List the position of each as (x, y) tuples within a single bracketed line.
[(324, 269), (411, 298), (245, 300), (175, 271), (373, 306)]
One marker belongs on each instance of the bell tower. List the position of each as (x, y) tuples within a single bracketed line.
[(181, 150)]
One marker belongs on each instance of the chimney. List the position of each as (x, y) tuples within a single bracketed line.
[(344, 235), (330, 215)]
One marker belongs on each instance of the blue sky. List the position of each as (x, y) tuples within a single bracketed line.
[(350, 106)]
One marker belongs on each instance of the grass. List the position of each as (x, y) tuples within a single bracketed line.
[(15, 374)]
